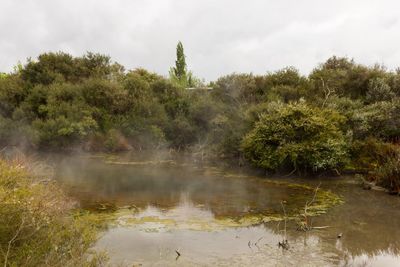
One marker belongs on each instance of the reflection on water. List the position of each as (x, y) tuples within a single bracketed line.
[(162, 208), (95, 183), (369, 222)]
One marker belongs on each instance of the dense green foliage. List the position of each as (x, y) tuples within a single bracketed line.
[(37, 227), (279, 121), (297, 136), (59, 102)]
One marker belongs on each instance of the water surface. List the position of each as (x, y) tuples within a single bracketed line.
[(218, 217)]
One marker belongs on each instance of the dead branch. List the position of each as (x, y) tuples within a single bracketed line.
[(327, 92), (306, 225)]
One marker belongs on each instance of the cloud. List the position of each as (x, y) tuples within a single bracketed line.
[(220, 37)]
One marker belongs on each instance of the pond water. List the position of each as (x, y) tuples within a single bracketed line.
[(214, 216)]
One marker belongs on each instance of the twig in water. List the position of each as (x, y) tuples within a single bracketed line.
[(284, 244), (320, 227), (306, 225), (284, 212), (294, 170), (178, 254), (256, 243)]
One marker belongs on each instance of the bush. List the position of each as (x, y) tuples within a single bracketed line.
[(381, 120), (388, 174), (297, 136), (36, 226), (379, 90), (63, 132), (370, 153), (115, 141)]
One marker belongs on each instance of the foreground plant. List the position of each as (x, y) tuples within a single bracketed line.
[(37, 226)]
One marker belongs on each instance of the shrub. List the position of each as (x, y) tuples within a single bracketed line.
[(388, 173), (381, 120), (115, 141), (296, 136), (370, 153), (36, 225), (62, 132), (379, 90)]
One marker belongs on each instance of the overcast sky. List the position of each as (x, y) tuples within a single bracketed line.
[(219, 36)]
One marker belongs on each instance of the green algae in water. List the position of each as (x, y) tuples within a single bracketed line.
[(167, 194), (163, 220)]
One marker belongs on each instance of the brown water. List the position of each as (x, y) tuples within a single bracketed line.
[(220, 217)]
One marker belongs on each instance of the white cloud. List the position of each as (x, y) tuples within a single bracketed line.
[(220, 37)]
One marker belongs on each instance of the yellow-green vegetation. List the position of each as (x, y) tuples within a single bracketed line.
[(38, 226)]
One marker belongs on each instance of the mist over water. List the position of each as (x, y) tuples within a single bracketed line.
[(168, 184), (213, 217)]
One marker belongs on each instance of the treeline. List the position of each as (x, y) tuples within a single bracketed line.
[(342, 115)]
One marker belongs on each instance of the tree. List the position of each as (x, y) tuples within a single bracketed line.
[(179, 73), (344, 78), (180, 63), (238, 89), (49, 68)]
